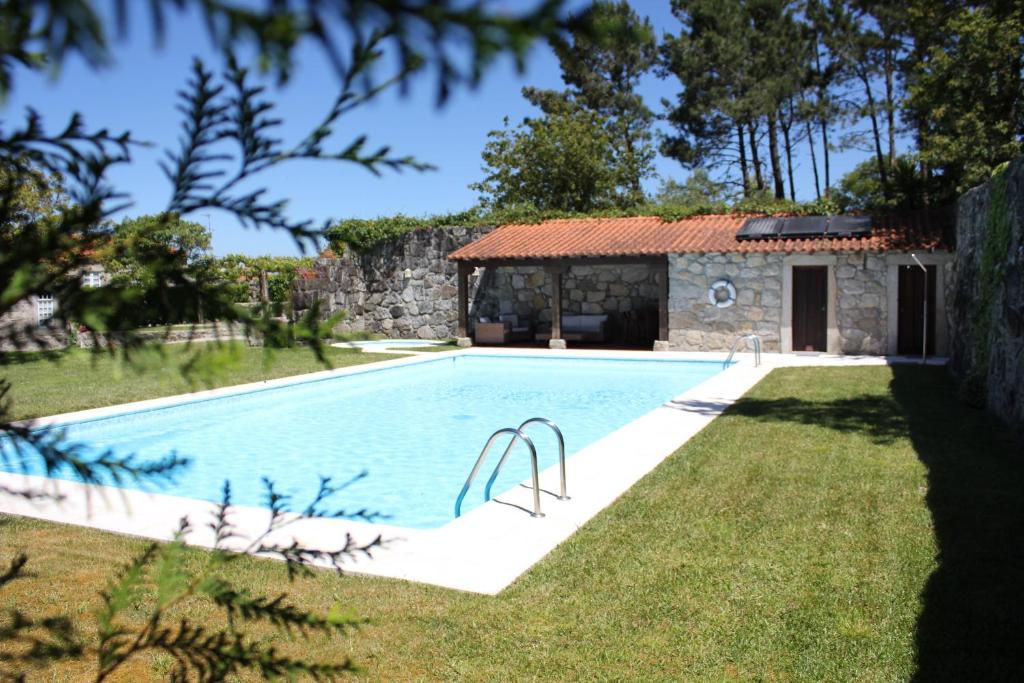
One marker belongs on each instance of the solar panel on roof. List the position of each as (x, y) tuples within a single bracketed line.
[(849, 226), (759, 229), (804, 226)]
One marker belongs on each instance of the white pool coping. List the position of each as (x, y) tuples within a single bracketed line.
[(487, 548)]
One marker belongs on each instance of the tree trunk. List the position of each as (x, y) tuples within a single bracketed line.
[(814, 158), (634, 176), (890, 106), (773, 153), (883, 173), (785, 123), (743, 160), (755, 157), (264, 288), (822, 118)]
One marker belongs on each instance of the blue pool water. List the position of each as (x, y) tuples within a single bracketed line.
[(415, 429)]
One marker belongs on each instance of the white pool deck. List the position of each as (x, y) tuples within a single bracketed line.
[(487, 548)]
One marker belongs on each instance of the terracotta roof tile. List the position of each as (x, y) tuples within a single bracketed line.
[(649, 235)]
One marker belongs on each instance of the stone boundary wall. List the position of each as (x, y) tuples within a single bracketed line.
[(1002, 378), (405, 288)]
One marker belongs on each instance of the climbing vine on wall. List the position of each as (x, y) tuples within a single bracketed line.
[(994, 252)]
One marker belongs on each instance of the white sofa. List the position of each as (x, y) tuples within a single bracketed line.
[(591, 328)]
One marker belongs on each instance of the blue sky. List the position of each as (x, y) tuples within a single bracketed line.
[(138, 91)]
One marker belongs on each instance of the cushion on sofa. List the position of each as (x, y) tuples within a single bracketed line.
[(583, 323)]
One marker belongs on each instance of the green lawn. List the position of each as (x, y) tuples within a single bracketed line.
[(82, 379), (837, 524)]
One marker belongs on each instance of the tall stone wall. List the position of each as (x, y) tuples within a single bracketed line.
[(996, 364), (405, 288)]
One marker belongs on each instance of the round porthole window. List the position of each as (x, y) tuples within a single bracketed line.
[(722, 294)]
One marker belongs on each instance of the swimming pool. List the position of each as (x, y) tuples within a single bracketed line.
[(415, 429), (381, 344)]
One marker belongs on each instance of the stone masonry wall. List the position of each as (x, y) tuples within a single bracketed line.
[(695, 324), (1003, 375), (21, 318), (403, 289), (861, 306)]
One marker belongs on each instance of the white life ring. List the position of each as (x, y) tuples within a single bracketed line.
[(722, 294)]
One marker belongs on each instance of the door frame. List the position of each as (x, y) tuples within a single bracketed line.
[(893, 263), (831, 323)]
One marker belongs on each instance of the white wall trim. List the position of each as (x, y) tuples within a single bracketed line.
[(892, 286), (831, 323)]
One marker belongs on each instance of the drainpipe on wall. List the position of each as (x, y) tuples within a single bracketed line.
[(924, 335)]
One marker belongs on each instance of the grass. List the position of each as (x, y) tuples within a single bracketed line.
[(836, 524), (80, 379)]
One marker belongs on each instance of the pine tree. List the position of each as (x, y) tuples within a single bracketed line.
[(602, 63)]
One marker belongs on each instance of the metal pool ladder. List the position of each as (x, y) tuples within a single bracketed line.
[(735, 345), (518, 434)]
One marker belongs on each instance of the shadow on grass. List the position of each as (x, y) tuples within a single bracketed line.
[(971, 626), (880, 418)]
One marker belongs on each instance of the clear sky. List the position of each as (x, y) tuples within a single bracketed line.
[(137, 93)]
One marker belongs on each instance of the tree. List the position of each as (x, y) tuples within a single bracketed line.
[(739, 63), (602, 63), (228, 142), (126, 257), (861, 189), (562, 161), (698, 190), (965, 90)]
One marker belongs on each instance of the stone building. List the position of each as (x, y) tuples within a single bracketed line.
[(856, 289), (26, 325)]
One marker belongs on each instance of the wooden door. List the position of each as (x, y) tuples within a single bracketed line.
[(810, 308), (910, 310)]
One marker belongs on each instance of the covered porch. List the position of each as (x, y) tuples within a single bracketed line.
[(555, 285)]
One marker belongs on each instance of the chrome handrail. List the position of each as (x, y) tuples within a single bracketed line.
[(516, 434), (522, 430), (746, 337)]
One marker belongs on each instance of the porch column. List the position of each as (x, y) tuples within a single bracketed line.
[(663, 300), (463, 303), (556, 300)]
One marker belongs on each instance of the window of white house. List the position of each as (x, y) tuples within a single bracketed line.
[(45, 307), (92, 279)]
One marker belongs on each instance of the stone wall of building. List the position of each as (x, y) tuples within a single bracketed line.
[(861, 303), (21, 318), (695, 324), (404, 289), (992, 363)]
